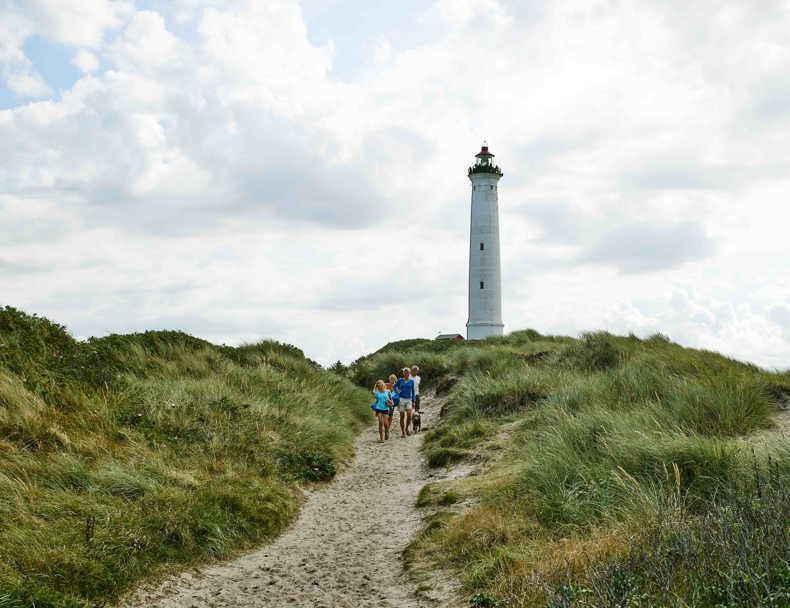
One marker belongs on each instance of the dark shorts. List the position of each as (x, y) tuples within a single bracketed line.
[(380, 411), (392, 410)]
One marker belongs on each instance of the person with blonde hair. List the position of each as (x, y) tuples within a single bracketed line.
[(381, 408), (405, 388), (393, 381)]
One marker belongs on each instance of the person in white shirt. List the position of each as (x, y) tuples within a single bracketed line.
[(415, 375)]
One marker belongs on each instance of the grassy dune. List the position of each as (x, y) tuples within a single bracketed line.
[(127, 456), (619, 472)]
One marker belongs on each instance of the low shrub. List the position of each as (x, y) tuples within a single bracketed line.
[(481, 600), (497, 395), (307, 465), (441, 457), (723, 404), (464, 432), (594, 352)]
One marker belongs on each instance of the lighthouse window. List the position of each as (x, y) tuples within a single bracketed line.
[(482, 246), (491, 187), (482, 285)]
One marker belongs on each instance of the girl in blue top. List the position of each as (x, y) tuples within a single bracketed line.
[(381, 407)]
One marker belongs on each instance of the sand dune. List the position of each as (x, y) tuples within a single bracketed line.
[(343, 551)]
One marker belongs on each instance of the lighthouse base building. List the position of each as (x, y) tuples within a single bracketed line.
[(485, 280)]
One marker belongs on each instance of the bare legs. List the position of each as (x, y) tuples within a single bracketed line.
[(405, 422), (382, 416)]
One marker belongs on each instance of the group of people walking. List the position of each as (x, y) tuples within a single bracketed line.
[(401, 395)]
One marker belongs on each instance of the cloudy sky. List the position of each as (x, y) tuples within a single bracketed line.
[(297, 170)]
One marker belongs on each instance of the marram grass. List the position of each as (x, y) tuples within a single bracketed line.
[(624, 473), (125, 457)]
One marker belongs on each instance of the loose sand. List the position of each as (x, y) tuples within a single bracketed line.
[(779, 432), (344, 550)]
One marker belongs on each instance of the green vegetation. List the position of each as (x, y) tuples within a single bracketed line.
[(127, 456), (619, 472)]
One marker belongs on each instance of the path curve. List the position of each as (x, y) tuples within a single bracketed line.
[(343, 550)]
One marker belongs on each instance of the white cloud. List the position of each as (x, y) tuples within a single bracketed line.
[(16, 69), (263, 49), (77, 23), (382, 50), (146, 46), (208, 172), (26, 83), (462, 13), (80, 23), (86, 61), (643, 247)]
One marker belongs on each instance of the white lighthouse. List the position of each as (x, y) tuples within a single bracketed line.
[(485, 282)]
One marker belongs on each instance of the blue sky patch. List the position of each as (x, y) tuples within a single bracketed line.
[(53, 62), (355, 26), (7, 97)]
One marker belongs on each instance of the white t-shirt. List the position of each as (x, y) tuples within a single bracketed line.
[(416, 384)]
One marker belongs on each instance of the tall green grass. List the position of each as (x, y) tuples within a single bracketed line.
[(445, 357), (128, 456), (732, 554), (613, 451)]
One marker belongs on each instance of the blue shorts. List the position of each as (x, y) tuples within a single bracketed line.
[(377, 411)]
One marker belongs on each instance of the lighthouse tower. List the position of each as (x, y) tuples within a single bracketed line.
[(485, 283)]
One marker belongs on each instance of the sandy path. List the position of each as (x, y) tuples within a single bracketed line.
[(344, 550), (780, 431)]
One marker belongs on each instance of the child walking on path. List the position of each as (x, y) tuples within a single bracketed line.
[(393, 386), (381, 407)]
